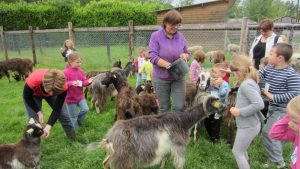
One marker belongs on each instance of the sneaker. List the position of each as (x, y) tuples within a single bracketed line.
[(280, 166)]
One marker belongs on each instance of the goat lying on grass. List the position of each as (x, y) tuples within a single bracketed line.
[(147, 140), (25, 153)]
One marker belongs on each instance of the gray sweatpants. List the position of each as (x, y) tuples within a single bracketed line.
[(243, 139), (170, 88), (273, 147)]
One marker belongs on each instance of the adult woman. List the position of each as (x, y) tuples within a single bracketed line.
[(166, 46), (262, 44), (48, 84)]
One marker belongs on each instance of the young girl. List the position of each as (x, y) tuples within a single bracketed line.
[(288, 129), (195, 68), (147, 67), (76, 80), (138, 64), (67, 49), (246, 110), (219, 57)]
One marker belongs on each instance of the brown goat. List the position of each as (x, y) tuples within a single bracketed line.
[(23, 67), (128, 103), (147, 140), (25, 153)]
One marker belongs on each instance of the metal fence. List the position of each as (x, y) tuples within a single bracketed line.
[(100, 47)]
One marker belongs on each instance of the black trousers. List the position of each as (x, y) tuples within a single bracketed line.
[(213, 126)]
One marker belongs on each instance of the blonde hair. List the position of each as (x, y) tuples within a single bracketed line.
[(294, 104), (73, 56), (243, 65), (65, 44), (141, 49), (220, 66), (199, 55), (146, 53), (218, 57), (54, 81)]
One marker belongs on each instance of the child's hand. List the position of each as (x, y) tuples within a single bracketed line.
[(91, 80), (75, 83), (235, 111), (217, 82), (266, 93)]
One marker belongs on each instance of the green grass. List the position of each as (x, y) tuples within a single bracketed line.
[(60, 153)]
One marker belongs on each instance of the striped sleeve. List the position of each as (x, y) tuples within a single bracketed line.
[(293, 89)]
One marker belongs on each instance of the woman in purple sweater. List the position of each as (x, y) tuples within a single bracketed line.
[(166, 46), (75, 81)]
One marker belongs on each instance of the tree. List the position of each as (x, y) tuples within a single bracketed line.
[(185, 2)]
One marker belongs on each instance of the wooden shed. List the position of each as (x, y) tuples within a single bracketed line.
[(210, 11)]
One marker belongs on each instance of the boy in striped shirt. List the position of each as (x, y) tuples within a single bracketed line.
[(282, 84)]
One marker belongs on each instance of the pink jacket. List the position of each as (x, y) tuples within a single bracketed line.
[(195, 70), (281, 131), (75, 93)]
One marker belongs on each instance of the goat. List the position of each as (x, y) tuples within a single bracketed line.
[(233, 48), (144, 88), (228, 118), (23, 67), (26, 152), (194, 49), (130, 69), (118, 64), (147, 140), (100, 92), (128, 103), (295, 62)]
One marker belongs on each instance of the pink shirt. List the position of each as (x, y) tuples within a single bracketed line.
[(281, 131), (75, 93), (195, 70)]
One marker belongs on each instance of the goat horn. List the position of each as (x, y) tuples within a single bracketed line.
[(30, 131), (31, 121), (39, 125), (115, 76)]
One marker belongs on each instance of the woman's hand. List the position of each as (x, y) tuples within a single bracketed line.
[(235, 111), (41, 117), (47, 130), (184, 56)]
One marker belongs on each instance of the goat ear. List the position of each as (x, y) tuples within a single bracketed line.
[(39, 125), (143, 87), (114, 76), (30, 131), (31, 121)]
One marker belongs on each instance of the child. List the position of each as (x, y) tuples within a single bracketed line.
[(138, 64), (67, 49), (219, 57), (48, 84), (195, 68), (246, 110), (288, 129), (147, 67), (76, 80), (213, 122), (261, 84), (282, 84)]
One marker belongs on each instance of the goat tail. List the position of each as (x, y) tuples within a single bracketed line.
[(95, 145)]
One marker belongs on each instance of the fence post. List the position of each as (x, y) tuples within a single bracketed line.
[(291, 34), (40, 42), (244, 35), (4, 46), (71, 32), (131, 40), (32, 44)]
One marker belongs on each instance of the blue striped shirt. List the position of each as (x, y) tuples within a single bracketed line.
[(284, 84)]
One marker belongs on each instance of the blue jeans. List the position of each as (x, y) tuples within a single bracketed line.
[(63, 118), (76, 116), (167, 89), (138, 79)]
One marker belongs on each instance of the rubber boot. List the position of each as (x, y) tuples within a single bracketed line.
[(71, 135)]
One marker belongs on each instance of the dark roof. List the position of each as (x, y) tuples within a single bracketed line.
[(181, 7)]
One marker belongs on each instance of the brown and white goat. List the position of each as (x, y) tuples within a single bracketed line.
[(130, 69), (25, 153), (128, 103), (147, 140)]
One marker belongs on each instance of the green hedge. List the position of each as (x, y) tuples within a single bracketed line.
[(56, 14)]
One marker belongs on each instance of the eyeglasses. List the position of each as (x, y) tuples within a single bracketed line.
[(175, 25)]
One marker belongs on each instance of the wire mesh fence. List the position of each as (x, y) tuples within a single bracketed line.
[(101, 47)]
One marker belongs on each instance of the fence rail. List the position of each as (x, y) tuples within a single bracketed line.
[(106, 44)]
